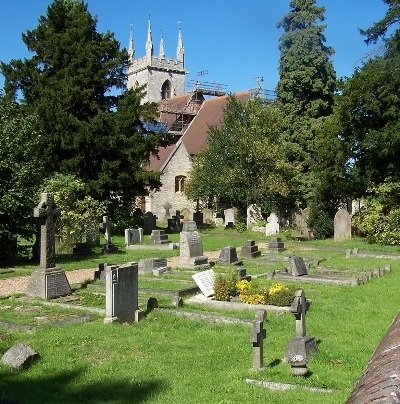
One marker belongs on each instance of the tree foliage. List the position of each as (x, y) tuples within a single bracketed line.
[(244, 160), (77, 209), (20, 175), (307, 83), (73, 84)]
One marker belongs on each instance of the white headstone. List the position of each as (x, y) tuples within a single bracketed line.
[(272, 227), (205, 281), (230, 216)]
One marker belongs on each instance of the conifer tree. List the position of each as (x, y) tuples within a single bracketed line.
[(90, 126), (306, 86)]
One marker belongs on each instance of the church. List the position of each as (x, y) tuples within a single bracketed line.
[(186, 115)]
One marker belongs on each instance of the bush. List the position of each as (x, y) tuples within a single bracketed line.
[(320, 223), (225, 287), (280, 295)]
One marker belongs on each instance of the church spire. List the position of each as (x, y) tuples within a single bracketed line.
[(149, 42), (161, 54), (131, 50), (180, 49)]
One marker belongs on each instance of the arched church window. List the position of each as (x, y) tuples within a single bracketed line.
[(180, 183), (166, 90)]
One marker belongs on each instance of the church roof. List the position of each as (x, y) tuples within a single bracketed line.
[(195, 135)]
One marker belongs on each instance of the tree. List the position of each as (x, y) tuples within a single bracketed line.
[(306, 86), (20, 176), (73, 84), (244, 157)]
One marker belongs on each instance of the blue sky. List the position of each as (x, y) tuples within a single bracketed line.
[(234, 40)]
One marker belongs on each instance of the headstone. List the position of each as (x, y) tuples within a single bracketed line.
[(301, 345), (250, 250), (276, 245), (133, 236), (186, 214), (198, 218), (300, 218), (106, 227), (159, 237), (122, 293), (152, 303), (207, 216), (272, 226), (175, 224), (342, 225), (47, 281), (167, 214), (191, 248), (19, 356), (230, 216), (149, 223), (228, 255), (257, 336), (148, 265), (100, 273), (82, 249), (205, 281), (298, 266), (253, 215)]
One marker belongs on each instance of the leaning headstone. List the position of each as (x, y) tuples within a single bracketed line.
[(276, 245), (298, 266), (342, 225), (301, 345), (205, 281), (228, 255), (133, 236), (149, 223), (159, 237), (106, 225), (272, 226), (19, 356), (257, 336), (122, 293), (191, 248), (230, 216), (47, 281), (250, 250)]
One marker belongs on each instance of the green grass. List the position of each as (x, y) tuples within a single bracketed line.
[(170, 358)]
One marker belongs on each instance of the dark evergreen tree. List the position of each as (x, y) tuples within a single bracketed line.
[(90, 127), (306, 86)]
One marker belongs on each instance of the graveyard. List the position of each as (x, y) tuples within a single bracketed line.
[(177, 345)]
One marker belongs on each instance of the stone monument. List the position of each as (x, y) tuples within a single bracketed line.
[(257, 336), (106, 226), (191, 248), (272, 226), (47, 281), (342, 225)]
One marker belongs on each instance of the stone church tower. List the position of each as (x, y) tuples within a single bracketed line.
[(164, 78)]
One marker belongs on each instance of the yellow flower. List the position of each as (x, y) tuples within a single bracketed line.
[(276, 287)]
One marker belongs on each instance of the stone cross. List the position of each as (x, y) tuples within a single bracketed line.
[(167, 207), (299, 308), (106, 226), (46, 211), (257, 336)]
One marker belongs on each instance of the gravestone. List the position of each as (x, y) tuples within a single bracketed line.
[(257, 336), (300, 218), (149, 223), (253, 215), (301, 345), (100, 273), (106, 227), (228, 255), (205, 281), (186, 214), (298, 266), (167, 214), (198, 218), (272, 226), (153, 265), (191, 248), (276, 245), (207, 216), (342, 225), (250, 250), (19, 356), (133, 236), (230, 216), (122, 293), (175, 224), (47, 281), (159, 237)]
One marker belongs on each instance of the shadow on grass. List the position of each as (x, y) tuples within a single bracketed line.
[(61, 388)]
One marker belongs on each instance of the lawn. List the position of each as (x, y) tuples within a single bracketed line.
[(177, 359)]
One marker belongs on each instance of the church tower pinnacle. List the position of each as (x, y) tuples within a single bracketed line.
[(180, 49), (131, 49), (161, 54), (149, 42)]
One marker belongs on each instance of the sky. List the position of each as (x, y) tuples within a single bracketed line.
[(232, 42)]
